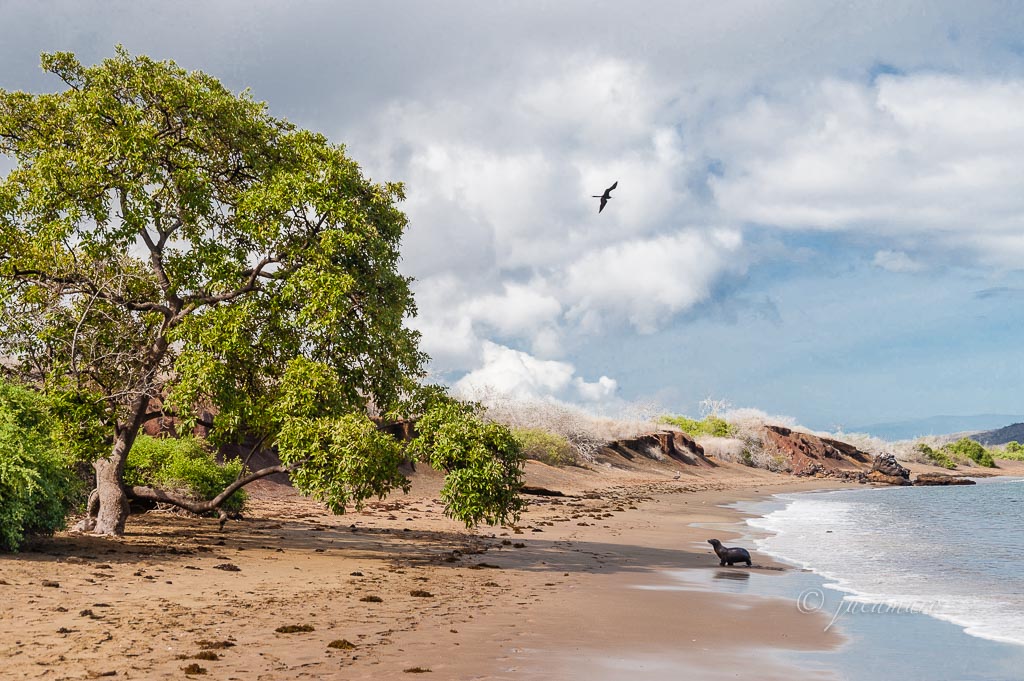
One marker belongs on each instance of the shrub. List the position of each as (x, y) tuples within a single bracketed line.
[(966, 448), (186, 464), (549, 448), (724, 448), (1013, 450), (37, 484), (936, 456), (709, 425)]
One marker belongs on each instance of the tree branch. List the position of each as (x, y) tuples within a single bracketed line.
[(250, 285), (200, 507), (88, 287)]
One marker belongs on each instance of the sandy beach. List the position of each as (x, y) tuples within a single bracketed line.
[(581, 588), (397, 588)]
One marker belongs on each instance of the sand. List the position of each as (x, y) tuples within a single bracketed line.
[(571, 592)]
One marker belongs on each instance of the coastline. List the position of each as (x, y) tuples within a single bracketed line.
[(887, 637), (613, 581)]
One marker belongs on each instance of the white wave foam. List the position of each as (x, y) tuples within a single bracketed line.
[(875, 550)]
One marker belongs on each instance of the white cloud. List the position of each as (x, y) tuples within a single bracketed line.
[(520, 308), (648, 281), (923, 156), (896, 261), (602, 389), (505, 241), (514, 374)]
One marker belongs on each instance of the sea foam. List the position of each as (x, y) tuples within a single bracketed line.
[(952, 553)]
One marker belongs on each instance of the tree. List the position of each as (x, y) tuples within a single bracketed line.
[(168, 247)]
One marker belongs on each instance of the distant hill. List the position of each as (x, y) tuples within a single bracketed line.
[(1000, 436), (937, 425)]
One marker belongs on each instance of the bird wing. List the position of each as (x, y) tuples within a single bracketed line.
[(604, 202), (612, 187)]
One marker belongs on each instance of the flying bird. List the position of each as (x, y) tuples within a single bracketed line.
[(607, 195)]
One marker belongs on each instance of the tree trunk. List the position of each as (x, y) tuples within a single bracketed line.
[(113, 499), (113, 509)]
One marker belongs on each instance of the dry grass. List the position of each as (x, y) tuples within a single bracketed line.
[(585, 432)]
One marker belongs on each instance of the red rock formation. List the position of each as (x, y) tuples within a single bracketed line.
[(812, 455)]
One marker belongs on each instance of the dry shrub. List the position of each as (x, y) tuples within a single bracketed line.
[(585, 432), (724, 448), (750, 422)]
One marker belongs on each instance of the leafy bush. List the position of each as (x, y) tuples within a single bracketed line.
[(966, 448), (1013, 450), (346, 459), (549, 448), (709, 425), (37, 484), (482, 462), (186, 464), (936, 456)]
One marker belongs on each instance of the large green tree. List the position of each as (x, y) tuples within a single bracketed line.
[(168, 247)]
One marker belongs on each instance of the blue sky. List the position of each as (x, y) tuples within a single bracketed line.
[(819, 210)]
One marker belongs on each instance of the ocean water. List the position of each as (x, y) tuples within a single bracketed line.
[(955, 554)]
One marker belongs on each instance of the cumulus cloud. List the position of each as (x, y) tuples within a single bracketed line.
[(506, 243), (922, 156), (648, 281), (518, 375), (603, 389)]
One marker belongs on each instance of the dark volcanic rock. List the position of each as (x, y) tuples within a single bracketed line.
[(888, 470), (942, 479)]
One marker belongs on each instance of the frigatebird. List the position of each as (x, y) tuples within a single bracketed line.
[(607, 195)]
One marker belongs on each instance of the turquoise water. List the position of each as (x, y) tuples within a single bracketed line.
[(925, 583)]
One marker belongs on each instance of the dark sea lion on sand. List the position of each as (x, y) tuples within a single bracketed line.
[(727, 555)]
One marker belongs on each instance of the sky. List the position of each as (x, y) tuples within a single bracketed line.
[(819, 209)]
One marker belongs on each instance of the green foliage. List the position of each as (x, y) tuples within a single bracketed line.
[(37, 486), (1013, 451), (483, 462), (938, 457), (342, 460), (186, 464), (710, 425), (966, 448), (267, 287), (549, 448)]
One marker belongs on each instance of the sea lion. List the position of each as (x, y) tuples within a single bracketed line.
[(727, 555)]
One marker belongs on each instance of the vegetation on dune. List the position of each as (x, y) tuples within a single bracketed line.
[(710, 425), (936, 456), (951, 454), (967, 449), (37, 484), (541, 445), (1013, 450), (170, 249)]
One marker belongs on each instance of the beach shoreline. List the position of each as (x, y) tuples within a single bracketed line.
[(584, 586)]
